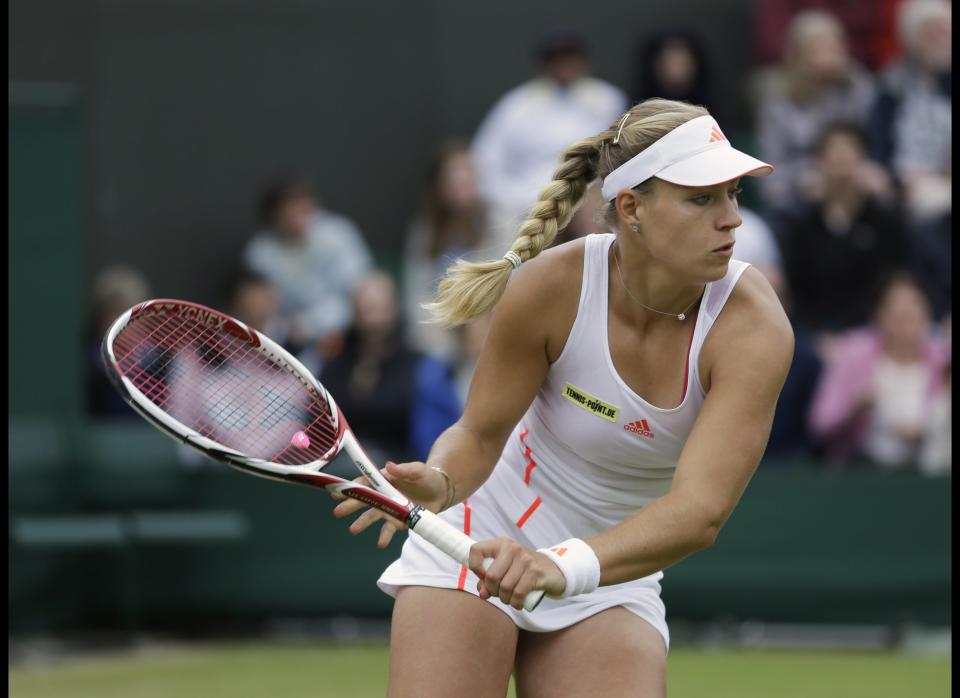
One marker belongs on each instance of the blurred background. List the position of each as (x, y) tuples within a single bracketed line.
[(312, 167)]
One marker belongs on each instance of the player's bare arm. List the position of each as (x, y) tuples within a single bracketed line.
[(529, 326), (745, 363)]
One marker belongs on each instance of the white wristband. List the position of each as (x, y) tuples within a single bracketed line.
[(579, 564)]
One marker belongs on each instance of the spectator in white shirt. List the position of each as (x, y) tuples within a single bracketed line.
[(517, 145), (315, 259)]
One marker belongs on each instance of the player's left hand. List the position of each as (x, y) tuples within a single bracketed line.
[(515, 571)]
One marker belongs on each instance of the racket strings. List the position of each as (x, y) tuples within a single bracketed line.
[(231, 412), (222, 387)]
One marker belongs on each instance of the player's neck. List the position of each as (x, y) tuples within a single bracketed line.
[(646, 292)]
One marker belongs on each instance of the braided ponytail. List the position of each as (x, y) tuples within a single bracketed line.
[(470, 289)]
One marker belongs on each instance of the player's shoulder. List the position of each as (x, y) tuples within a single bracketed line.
[(553, 273), (545, 291), (754, 318), (753, 300)]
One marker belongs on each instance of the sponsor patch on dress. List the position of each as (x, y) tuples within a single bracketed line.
[(590, 403)]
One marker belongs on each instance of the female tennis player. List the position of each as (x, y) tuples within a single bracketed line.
[(620, 405)]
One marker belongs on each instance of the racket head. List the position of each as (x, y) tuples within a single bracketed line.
[(221, 387)]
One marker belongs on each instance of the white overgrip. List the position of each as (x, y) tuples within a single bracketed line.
[(457, 545)]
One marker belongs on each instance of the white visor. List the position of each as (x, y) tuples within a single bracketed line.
[(695, 154)]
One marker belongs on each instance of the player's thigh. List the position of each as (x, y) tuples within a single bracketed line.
[(448, 643), (614, 653)]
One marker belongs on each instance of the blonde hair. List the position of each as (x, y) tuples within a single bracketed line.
[(470, 289)]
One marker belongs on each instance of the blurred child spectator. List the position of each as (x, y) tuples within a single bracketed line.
[(252, 299), (396, 400), (818, 83), (879, 387), (114, 290), (314, 258), (848, 234), (673, 64), (450, 223), (517, 145)]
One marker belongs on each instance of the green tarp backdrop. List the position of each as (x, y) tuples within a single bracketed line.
[(111, 529)]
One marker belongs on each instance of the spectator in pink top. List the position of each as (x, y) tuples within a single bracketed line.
[(875, 395)]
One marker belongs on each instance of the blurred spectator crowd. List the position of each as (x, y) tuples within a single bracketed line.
[(853, 231)]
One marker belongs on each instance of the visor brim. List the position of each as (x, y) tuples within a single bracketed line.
[(714, 166)]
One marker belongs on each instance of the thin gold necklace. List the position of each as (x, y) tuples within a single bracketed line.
[(680, 316)]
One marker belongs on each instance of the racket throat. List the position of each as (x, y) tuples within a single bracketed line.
[(370, 471)]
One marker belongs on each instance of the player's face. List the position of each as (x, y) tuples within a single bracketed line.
[(691, 229)]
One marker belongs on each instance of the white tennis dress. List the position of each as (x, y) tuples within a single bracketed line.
[(588, 453)]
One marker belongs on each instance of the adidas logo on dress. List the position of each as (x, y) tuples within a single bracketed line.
[(640, 427)]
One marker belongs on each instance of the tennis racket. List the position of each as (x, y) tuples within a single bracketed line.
[(238, 397)]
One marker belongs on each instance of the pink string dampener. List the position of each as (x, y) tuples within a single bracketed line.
[(300, 440)]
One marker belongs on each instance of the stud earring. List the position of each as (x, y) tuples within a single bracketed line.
[(635, 228)]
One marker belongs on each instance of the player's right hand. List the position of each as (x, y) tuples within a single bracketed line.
[(415, 480)]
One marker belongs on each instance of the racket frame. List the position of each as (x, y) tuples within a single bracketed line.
[(382, 496)]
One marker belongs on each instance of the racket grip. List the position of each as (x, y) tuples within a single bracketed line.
[(457, 545)]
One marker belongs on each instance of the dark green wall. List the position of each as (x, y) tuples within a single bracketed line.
[(47, 245), (803, 545), (191, 105)]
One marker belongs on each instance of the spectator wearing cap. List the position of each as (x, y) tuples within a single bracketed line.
[(315, 258), (517, 145)]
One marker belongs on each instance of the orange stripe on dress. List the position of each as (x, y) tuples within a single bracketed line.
[(531, 464), (527, 453), (466, 529), (528, 513)]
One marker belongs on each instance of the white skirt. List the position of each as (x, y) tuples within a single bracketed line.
[(421, 564)]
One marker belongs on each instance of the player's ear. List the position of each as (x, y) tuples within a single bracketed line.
[(629, 207)]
